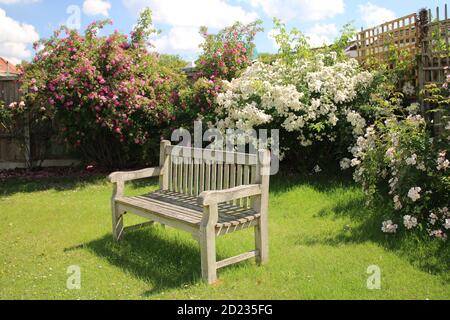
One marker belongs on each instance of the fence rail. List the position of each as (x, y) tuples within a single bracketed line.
[(375, 42)]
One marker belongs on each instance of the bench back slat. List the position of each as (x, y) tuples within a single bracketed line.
[(191, 171)]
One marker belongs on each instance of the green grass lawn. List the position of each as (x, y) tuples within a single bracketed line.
[(323, 239)]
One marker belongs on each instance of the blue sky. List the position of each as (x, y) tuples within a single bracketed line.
[(24, 21)]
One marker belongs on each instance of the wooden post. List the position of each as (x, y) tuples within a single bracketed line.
[(208, 243), (27, 141), (164, 164), (422, 26), (261, 205), (117, 216)]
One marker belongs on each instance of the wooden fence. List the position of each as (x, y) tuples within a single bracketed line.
[(20, 149), (9, 89), (434, 59), (435, 47), (375, 42), (424, 35), (10, 145)]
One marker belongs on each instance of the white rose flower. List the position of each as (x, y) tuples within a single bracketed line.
[(433, 219), (414, 193), (409, 222), (397, 203), (345, 163), (389, 227), (447, 224), (442, 162), (412, 161)]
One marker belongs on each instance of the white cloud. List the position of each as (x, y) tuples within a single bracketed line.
[(321, 34), (318, 34), (178, 39), (193, 13), (312, 10), (96, 7), (185, 17), (271, 36), (15, 38), (373, 15)]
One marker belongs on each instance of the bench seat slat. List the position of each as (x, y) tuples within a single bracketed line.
[(183, 207)]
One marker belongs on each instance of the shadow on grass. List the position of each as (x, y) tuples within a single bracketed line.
[(11, 187), (60, 184), (429, 255), (150, 254), (280, 183)]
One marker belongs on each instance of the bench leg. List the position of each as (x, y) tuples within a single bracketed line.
[(262, 242), (117, 223), (208, 255)]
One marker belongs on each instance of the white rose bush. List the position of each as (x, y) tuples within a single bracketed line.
[(329, 111), (315, 102), (400, 158)]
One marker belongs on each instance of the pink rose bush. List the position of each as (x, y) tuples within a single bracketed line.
[(107, 96), (228, 52)]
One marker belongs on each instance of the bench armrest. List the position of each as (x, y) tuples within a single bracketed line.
[(208, 198), (134, 175)]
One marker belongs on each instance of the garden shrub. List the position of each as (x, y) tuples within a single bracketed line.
[(198, 101), (228, 52), (225, 55), (173, 62), (107, 96), (399, 158), (402, 157), (321, 104), (320, 99)]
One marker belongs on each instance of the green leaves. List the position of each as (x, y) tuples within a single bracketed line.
[(144, 28)]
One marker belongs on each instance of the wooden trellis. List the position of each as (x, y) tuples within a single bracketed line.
[(375, 42), (435, 47), (434, 57)]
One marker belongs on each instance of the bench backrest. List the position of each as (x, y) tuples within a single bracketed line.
[(191, 171)]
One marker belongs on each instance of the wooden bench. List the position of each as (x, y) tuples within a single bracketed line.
[(208, 196)]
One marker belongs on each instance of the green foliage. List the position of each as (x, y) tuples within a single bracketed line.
[(397, 70), (267, 58), (438, 43), (198, 102), (143, 29), (12, 120), (437, 99), (174, 62), (293, 44), (348, 33), (436, 95)]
